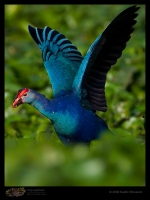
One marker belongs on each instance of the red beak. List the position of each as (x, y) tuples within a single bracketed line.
[(17, 102)]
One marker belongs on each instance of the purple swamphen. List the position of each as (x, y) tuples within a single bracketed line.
[(78, 82)]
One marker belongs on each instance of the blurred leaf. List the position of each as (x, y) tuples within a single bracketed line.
[(34, 155)]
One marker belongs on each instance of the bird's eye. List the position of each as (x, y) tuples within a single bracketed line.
[(25, 95)]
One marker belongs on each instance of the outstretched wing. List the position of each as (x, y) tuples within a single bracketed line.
[(102, 54), (61, 58)]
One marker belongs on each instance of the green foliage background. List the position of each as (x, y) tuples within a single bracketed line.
[(33, 154)]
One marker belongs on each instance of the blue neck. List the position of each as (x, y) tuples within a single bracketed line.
[(43, 105)]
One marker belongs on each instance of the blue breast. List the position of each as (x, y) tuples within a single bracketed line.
[(75, 123)]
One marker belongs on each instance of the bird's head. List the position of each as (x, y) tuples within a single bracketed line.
[(23, 96)]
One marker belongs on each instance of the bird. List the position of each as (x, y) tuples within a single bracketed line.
[(78, 82)]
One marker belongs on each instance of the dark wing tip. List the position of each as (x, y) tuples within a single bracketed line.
[(135, 6), (131, 9), (33, 34)]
